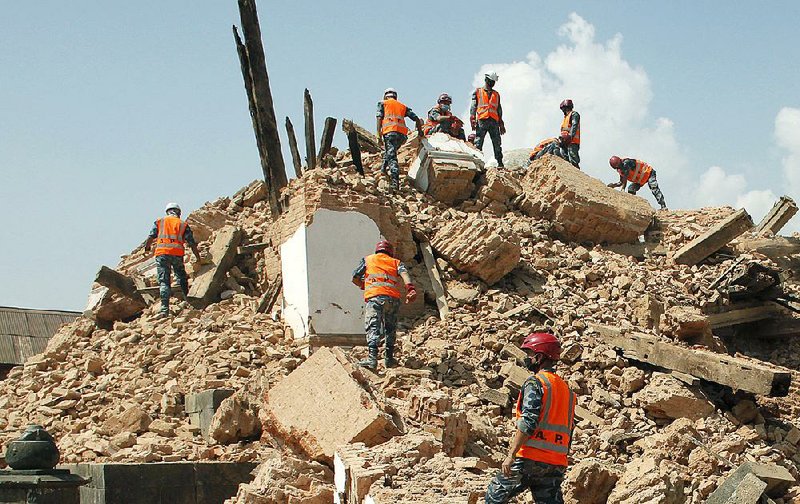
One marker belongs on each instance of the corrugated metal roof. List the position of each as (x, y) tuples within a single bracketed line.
[(24, 333)]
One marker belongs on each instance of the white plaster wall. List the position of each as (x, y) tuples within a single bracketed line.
[(295, 283), (335, 243)]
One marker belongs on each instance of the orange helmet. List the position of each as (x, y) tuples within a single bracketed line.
[(543, 343)]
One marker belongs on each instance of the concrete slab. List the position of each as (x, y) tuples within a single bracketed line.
[(714, 239)]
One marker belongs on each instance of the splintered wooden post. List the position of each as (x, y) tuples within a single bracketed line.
[(327, 137), (298, 168), (244, 62), (308, 113), (352, 141), (263, 95)]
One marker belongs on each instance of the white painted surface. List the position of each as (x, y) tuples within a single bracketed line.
[(340, 482), (295, 283), (441, 146)]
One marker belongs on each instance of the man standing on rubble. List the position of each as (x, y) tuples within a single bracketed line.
[(392, 131), (537, 458), (378, 275), (486, 116), (572, 126), (170, 234), (441, 119), (638, 173)]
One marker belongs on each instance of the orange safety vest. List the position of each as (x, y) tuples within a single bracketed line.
[(394, 117), (542, 145), (551, 440), (487, 106), (381, 277), (640, 175), (565, 127), (169, 240)]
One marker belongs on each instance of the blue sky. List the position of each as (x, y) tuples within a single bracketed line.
[(110, 109)]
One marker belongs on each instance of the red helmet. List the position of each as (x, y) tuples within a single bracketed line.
[(543, 343), (566, 104), (615, 162), (565, 137), (444, 98), (384, 246)]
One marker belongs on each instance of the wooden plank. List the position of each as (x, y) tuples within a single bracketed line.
[(262, 93), (584, 415), (735, 372), (781, 212), (308, 114), (743, 316), (524, 307), (714, 239), (298, 166), (253, 247), (367, 141), (270, 296), (436, 279), (328, 129)]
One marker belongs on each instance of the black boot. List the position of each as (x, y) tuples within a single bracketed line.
[(371, 362), (388, 358)]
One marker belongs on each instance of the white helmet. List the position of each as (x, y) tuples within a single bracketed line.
[(172, 205), (492, 76), (390, 91)]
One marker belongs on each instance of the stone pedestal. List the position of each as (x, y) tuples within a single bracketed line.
[(42, 486)]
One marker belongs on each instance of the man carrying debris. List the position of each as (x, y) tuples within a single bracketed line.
[(572, 126), (392, 131), (378, 275), (557, 146), (537, 458), (638, 173), (486, 116), (170, 234), (441, 119)]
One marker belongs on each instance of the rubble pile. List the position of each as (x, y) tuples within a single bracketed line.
[(437, 428)]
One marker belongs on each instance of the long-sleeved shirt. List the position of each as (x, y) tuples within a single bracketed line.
[(188, 236), (628, 166), (473, 105), (409, 113), (574, 123), (531, 405), (361, 270)]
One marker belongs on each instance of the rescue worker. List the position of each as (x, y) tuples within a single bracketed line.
[(441, 119), (392, 131), (572, 125), (170, 235), (537, 458), (486, 116), (556, 146), (378, 275), (638, 173)]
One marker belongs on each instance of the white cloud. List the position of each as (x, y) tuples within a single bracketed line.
[(787, 134)]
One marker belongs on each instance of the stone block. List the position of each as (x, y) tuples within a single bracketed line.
[(714, 239), (780, 213), (325, 403), (209, 281), (581, 207), (667, 397), (747, 482), (133, 419), (235, 419), (200, 407), (446, 168), (590, 481)]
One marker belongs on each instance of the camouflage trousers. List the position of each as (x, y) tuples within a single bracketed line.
[(165, 263), (652, 183), (391, 143), (543, 480), (380, 320), (573, 156), (493, 128)]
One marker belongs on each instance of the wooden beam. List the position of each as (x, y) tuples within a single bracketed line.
[(253, 247), (327, 137), (367, 141), (308, 114), (244, 62), (735, 372), (436, 279), (781, 212), (352, 143), (270, 295), (714, 239), (743, 315), (298, 165), (261, 91)]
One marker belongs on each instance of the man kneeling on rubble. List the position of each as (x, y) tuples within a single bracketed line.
[(537, 458), (379, 276)]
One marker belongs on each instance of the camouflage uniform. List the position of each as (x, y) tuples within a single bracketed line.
[(488, 126), (380, 313), (629, 165), (165, 263), (555, 149), (446, 126), (543, 480), (391, 143)]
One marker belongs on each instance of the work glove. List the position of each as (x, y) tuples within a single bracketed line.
[(502, 128), (411, 293), (473, 123)]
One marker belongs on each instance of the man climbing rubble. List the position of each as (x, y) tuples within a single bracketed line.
[(441, 119), (537, 458), (392, 131), (556, 146), (378, 275), (572, 126), (486, 116), (170, 235), (638, 173)]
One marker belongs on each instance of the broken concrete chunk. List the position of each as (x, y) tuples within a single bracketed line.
[(714, 239), (209, 281), (781, 212), (749, 481), (133, 419), (590, 481), (200, 407), (236, 419), (446, 168), (581, 207), (323, 404), (666, 397)]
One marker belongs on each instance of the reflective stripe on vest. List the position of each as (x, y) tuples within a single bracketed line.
[(487, 106), (565, 126), (551, 440), (381, 277), (640, 175), (394, 117), (169, 240)]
